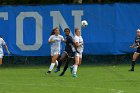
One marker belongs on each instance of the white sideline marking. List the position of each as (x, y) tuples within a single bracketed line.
[(27, 84), (116, 91), (120, 91)]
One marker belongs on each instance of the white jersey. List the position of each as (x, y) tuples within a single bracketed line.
[(56, 46), (79, 39), (2, 42)]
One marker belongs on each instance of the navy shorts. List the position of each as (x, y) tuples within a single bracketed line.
[(70, 54), (138, 50)]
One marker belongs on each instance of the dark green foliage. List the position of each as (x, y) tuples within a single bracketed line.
[(42, 2)]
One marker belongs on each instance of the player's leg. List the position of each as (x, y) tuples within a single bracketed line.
[(75, 66), (1, 56), (65, 67), (54, 58), (80, 59), (64, 55), (0, 61), (135, 56), (73, 57), (56, 63), (77, 58)]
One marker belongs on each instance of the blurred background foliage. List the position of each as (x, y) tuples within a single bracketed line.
[(36, 2)]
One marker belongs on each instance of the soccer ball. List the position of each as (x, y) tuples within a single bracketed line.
[(84, 23)]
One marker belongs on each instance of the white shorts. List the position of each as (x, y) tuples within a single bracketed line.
[(1, 55), (55, 52), (78, 54)]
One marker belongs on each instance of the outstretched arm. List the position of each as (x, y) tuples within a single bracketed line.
[(7, 49), (51, 40), (134, 44), (63, 40), (3, 42)]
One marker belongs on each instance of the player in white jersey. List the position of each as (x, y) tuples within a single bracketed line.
[(78, 40), (55, 41), (2, 43)]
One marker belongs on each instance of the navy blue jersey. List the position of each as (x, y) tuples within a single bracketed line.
[(69, 44), (137, 40)]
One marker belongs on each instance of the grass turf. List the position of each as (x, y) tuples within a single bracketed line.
[(91, 79)]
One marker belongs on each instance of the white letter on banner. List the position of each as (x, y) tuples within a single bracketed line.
[(19, 31), (77, 18), (58, 19), (4, 15)]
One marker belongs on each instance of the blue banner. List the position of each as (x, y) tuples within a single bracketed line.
[(111, 28)]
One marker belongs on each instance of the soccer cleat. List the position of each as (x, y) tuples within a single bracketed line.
[(71, 69), (74, 75), (57, 70), (49, 72), (131, 70), (61, 74)]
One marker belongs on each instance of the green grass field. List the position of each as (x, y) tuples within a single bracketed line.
[(91, 79)]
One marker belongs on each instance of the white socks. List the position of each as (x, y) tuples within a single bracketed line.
[(51, 66), (75, 69), (56, 63)]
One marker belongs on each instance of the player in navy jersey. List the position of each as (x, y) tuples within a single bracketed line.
[(68, 52), (136, 45)]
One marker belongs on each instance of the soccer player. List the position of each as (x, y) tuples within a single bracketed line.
[(55, 41), (2, 42), (136, 44), (78, 40), (52, 33), (68, 52)]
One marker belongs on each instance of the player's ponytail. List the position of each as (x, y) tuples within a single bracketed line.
[(52, 33)]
